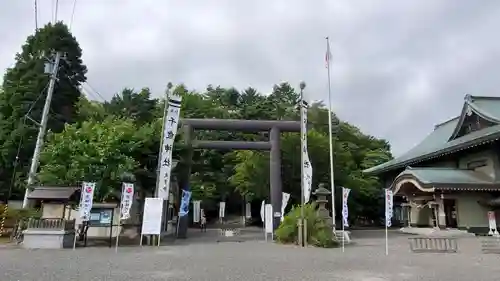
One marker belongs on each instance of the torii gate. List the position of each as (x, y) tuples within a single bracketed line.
[(273, 145)]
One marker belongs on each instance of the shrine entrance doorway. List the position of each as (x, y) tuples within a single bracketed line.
[(274, 130)]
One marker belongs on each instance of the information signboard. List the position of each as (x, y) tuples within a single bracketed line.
[(151, 220)]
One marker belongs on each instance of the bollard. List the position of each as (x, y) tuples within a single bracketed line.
[(300, 232), (305, 232)]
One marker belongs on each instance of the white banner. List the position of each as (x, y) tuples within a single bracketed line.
[(127, 200), (170, 125), (86, 200), (492, 221), (284, 201), (306, 163), (151, 219), (222, 209), (345, 207), (268, 213), (388, 207), (262, 211), (248, 210), (196, 211)]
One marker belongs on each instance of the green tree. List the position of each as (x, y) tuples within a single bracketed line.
[(136, 105), (226, 175), (90, 110), (95, 151), (24, 91)]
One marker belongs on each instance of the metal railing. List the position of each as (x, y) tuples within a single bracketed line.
[(50, 223), (433, 244)]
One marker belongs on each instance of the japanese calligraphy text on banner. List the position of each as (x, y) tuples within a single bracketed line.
[(127, 200), (388, 207), (170, 125), (186, 197), (306, 163), (345, 207), (86, 200)]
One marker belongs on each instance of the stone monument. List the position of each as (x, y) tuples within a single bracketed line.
[(321, 194)]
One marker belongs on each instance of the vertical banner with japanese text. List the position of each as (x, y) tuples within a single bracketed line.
[(248, 210), (345, 207), (170, 125), (306, 163), (185, 199), (86, 200), (222, 209), (284, 201), (388, 207), (127, 200), (262, 210), (196, 211)]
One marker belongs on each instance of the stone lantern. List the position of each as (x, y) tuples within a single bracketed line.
[(322, 194)]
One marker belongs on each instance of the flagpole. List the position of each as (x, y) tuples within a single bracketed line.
[(330, 133), (301, 235)]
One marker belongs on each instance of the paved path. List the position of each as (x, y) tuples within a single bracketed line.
[(252, 261)]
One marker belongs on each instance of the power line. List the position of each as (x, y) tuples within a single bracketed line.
[(72, 14), (96, 92)]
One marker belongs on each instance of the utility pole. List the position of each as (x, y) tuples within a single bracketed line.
[(54, 67)]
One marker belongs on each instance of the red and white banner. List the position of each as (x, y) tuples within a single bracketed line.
[(127, 200), (86, 200), (492, 221)]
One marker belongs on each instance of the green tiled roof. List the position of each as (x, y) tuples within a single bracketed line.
[(489, 107), (438, 143), (447, 176)]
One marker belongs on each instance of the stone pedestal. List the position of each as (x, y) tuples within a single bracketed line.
[(48, 239)]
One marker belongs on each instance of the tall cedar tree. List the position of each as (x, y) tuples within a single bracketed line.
[(25, 87)]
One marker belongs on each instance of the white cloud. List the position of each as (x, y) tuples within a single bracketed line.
[(398, 68)]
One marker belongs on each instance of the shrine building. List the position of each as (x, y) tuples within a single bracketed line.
[(451, 179)]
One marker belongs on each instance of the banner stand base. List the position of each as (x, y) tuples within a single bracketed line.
[(151, 240)]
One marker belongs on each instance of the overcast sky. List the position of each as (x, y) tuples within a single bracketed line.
[(399, 67)]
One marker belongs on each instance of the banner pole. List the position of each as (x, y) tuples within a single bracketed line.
[(386, 241), (343, 236), (74, 239), (118, 236)]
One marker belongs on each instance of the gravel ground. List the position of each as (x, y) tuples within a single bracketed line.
[(253, 260)]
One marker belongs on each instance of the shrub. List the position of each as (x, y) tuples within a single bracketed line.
[(16, 215), (319, 233)]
